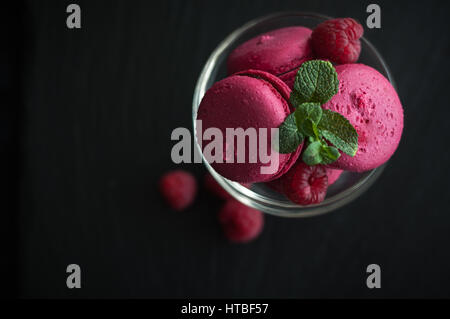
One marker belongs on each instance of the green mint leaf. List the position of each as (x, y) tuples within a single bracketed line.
[(316, 81), (289, 136), (307, 116), (312, 153), (338, 130), (312, 111), (295, 99), (329, 154), (307, 128), (319, 152)]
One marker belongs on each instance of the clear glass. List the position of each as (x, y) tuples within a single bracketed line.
[(349, 186)]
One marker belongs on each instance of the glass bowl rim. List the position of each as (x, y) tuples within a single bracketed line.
[(253, 199)]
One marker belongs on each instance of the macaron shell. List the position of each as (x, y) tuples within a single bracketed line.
[(276, 52), (252, 99), (289, 78), (278, 85), (333, 175), (285, 92), (371, 104)]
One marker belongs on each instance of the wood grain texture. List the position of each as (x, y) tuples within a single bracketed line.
[(99, 106)]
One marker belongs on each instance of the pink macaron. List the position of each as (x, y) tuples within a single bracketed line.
[(333, 175), (279, 52), (371, 104), (248, 99)]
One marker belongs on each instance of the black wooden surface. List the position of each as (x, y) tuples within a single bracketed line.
[(97, 109)]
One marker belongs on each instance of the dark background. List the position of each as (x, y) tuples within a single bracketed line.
[(86, 124)]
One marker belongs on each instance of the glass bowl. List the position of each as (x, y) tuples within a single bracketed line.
[(348, 187)]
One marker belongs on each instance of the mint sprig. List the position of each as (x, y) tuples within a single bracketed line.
[(306, 115), (315, 84)]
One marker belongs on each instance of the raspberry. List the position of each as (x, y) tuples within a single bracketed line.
[(239, 222), (178, 188), (338, 40), (305, 184), (214, 187)]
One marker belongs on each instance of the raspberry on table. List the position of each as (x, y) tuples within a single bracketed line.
[(306, 185), (240, 223), (338, 40), (178, 188)]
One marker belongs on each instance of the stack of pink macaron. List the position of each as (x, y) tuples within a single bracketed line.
[(256, 95)]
